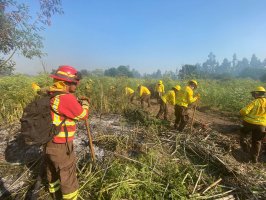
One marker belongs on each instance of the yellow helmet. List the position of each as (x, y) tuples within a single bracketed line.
[(177, 87), (194, 81), (160, 82), (259, 89)]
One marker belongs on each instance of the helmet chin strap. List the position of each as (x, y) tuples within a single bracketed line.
[(192, 86), (67, 88)]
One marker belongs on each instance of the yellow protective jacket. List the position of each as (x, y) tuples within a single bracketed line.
[(35, 87), (129, 91), (185, 97), (159, 88), (255, 112), (169, 97), (144, 90)]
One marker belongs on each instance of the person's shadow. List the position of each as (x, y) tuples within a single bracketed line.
[(17, 151), (240, 155)]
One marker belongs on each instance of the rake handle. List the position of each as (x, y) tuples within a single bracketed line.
[(90, 140), (193, 117)]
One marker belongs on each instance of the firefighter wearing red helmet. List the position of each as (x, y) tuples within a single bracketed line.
[(59, 154)]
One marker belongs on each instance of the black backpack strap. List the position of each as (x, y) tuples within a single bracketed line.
[(61, 123)]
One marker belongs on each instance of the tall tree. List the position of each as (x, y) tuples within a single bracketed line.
[(84, 72), (255, 62), (97, 72), (241, 65), (170, 74), (234, 61), (124, 71), (234, 65), (135, 73), (158, 74), (264, 63), (20, 32), (225, 67), (119, 71), (187, 71), (210, 65), (110, 72)]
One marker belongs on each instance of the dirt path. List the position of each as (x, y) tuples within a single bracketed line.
[(221, 122), (226, 124)]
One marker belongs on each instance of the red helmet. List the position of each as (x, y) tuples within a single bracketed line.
[(66, 73)]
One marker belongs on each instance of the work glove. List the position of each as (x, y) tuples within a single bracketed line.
[(85, 102), (43, 91)]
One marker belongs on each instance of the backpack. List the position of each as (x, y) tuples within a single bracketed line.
[(36, 122)]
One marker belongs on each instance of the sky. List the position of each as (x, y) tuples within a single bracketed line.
[(149, 34)]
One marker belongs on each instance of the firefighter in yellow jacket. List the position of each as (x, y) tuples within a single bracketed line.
[(254, 121), (159, 90), (144, 94), (35, 87), (130, 94), (39, 90), (184, 98), (166, 99)]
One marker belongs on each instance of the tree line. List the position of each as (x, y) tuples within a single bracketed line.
[(211, 68)]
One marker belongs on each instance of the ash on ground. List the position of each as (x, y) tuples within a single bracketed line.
[(17, 158)]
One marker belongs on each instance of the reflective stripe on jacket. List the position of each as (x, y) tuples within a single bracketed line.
[(159, 88), (66, 105), (255, 112), (55, 186), (169, 97), (129, 91), (143, 90), (185, 97)]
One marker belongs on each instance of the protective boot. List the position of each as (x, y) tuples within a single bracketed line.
[(244, 144), (165, 115), (142, 104), (149, 103), (245, 147), (181, 126), (255, 151), (254, 159)]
